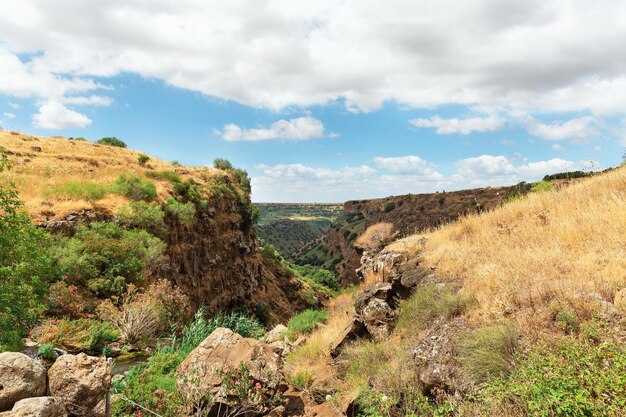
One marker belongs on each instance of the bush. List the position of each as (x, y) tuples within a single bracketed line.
[(187, 190), (89, 191), (319, 276), (148, 216), (46, 351), (542, 186), (143, 159), (565, 378), (170, 176), (430, 303), (69, 301), (82, 335), (135, 188), (390, 206), (375, 237), (26, 268), (223, 164), (112, 141), (105, 257), (305, 322), (488, 352), (184, 212)]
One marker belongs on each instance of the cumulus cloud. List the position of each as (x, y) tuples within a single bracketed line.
[(9, 115), (576, 129), (408, 165), (300, 128), (557, 148), (462, 126), (279, 53), (54, 115), (93, 100)]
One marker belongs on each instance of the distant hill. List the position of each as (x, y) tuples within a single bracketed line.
[(290, 227)]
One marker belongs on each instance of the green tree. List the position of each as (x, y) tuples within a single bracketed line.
[(112, 141), (26, 268), (220, 163)]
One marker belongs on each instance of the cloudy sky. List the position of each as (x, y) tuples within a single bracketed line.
[(328, 100)]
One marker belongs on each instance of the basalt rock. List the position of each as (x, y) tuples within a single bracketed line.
[(20, 377)]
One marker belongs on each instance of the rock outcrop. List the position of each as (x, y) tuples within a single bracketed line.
[(20, 377), (37, 407), (81, 381)]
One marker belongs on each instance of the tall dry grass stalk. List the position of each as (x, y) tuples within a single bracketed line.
[(563, 246)]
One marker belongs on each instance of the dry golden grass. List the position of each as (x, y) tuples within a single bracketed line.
[(560, 246), (61, 161)]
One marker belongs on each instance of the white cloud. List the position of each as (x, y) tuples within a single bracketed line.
[(408, 165), (301, 128), (576, 129), (557, 148), (278, 53), (93, 100), (462, 126), (54, 115), (14, 106), (9, 115)]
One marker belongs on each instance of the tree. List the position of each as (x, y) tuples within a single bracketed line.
[(112, 141), (224, 164), (26, 267)]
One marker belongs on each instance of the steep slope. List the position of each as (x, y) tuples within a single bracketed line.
[(212, 256), (408, 213)]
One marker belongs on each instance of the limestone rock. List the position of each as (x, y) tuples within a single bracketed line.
[(376, 309), (20, 377), (81, 381), (39, 407), (226, 349), (275, 335)]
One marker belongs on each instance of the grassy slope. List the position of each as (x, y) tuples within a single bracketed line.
[(61, 161)]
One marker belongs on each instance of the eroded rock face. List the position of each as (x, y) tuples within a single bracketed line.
[(226, 349), (353, 331), (39, 407), (81, 381), (376, 307), (437, 360), (20, 377)]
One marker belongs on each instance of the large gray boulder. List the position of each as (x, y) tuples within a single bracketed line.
[(20, 377), (81, 381), (39, 407)]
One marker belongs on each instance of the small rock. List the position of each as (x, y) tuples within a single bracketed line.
[(39, 407), (276, 334), (20, 377), (36, 148)]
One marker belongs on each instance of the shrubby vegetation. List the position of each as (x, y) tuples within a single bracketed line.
[(139, 214), (184, 212), (305, 322), (143, 159), (89, 191), (112, 141), (135, 187)]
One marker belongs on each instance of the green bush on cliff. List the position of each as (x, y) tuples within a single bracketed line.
[(148, 216), (135, 188), (105, 257), (26, 268), (112, 141), (184, 212)]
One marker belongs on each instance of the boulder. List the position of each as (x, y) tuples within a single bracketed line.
[(437, 360), (39, 407), (226, 349), (81, 381), (20, 377), (276, 334), (376, 309)]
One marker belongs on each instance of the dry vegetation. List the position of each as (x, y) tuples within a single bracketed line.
[(566, 246), (61, 161)]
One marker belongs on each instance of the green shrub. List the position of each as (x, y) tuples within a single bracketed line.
[(187, 190), (488, 352), (90, 191), (112, 141), (81, 335), (429, 303), (135, 188), (319, 276), (305, 322), (148, 216), (542, 186), (390, 206), (143, 159), (46, 351), (170, 176), (26, 268), (223, 164), (185, 212), (302, 380), (563, 378), (105, 257)]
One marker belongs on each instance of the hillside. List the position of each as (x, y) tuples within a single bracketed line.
[(206, 215), (290, 227), (513, 312), (408, 214)]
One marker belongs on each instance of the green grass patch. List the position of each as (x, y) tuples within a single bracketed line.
[(135, 188), (542, 186), (170, 176), (488, 352), (305, 322), (89, 191)]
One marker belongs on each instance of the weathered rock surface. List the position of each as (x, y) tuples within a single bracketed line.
[(226, 349), (276, 334), (376, 307), (353, 331), (437, 360), (38, 407), (20, 377), (81, 381)]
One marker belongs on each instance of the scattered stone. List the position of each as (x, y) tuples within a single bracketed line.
[(36, 148), (20, 377), (39, 407), (276, 334), (81, 381)]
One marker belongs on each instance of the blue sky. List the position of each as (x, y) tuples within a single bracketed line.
[(332, 101)]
